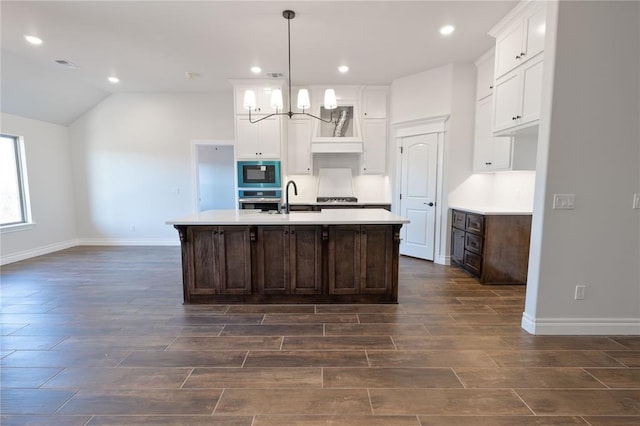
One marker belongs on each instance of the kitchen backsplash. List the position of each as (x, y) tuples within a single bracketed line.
[(367, 188), (501, 190)]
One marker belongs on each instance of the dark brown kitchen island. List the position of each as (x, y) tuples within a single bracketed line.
[(332, 256)]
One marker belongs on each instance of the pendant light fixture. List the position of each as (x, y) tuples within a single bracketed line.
[(303, 103)]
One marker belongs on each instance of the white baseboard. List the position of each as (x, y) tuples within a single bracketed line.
[(38, 251), (128, 242), (581, 326), (443, 260)]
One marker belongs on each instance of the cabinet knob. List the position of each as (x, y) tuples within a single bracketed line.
[(488, 164), (513, 118), (491, 87), (518, 116), (522, 54), (293, 232), (215, 232), (286, 232), (221, 232)]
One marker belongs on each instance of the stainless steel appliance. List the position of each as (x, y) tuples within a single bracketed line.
[(259, 174), (260, 199)]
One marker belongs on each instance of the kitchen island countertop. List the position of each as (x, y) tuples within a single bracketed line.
[(491, 210), (323, 217)]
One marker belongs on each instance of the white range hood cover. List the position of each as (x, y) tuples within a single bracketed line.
[(335, 183)]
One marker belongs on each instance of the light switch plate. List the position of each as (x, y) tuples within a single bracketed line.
[(564, 201), (636, 201)]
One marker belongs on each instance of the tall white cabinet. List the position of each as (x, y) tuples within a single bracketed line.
[(374, 129), (491, 153)]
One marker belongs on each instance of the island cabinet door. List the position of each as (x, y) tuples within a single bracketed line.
[(344, 259), (305, 249), (272, 259), (376, 245), (200, 261), (232, 260)]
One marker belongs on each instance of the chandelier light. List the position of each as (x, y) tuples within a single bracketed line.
[(303, 103)]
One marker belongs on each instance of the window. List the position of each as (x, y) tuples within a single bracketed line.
[(14, 199)]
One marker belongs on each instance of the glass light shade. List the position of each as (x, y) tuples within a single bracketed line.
[(249, 99), (276, 99), (330, 101), (303, 99)]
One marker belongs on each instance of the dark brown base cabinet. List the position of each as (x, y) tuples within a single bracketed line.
[(290, 264), (494, 248)]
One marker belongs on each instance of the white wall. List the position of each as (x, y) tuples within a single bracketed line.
[(589, 146), (447, 90), (132, 163), (48, 159)]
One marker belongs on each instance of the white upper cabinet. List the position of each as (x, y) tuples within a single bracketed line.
[(258, 140), (518, 68), (299, 146), (517, 97), (519, 38), (374, 102), (490, 153), (374, 135), (484, 68), (262, 90), (374, 129)]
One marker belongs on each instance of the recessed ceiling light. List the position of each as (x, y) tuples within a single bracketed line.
[(114, 80), (447, 29), (343, 69), (256, 70), (33, 39)]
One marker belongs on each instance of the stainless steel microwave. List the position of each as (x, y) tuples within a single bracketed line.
[(259, 174)]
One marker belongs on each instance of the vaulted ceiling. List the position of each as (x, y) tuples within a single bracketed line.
[(150, 45)]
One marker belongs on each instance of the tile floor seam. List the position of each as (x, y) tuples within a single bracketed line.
[(89, 420), (221, 330), (585, 420), (598, 380), (373, 413), (244, 360), (170, 343), (50, 378), (523, 401), (453, 370), (187, 378), (218, 401), (57, 410)]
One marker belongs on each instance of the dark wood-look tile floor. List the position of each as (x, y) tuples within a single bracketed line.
[(99, 336)]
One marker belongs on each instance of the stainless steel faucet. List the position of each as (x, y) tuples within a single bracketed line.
[(295, 192)]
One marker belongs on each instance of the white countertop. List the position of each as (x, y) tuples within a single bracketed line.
[(324, 217), (491, 210)]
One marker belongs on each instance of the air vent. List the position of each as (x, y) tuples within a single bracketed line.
[(65, 63), (274, 75)]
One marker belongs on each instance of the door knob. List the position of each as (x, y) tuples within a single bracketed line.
[(429, 204)]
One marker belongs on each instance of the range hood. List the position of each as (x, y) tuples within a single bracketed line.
[(341, 135), (336, 183)]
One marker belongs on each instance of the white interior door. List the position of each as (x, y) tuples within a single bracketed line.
[(418, 195)]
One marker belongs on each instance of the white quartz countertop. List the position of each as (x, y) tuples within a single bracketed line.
[(490, 210), (324, 217)]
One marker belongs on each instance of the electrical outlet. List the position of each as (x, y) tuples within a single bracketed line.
[(580, 292), (636, 201), (564, 201)]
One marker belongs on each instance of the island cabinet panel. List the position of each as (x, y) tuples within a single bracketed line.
[(344, 259), (272, 259), (305, 257), (288, 260), (376, 248), (216, 260)]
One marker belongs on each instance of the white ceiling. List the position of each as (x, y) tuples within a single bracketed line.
[(150, 45)]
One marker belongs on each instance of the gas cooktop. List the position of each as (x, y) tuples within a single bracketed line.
[(337, 200)]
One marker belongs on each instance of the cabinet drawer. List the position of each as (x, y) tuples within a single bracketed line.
[(475, 223), (472, 262), (473, 243), (458, 219)]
